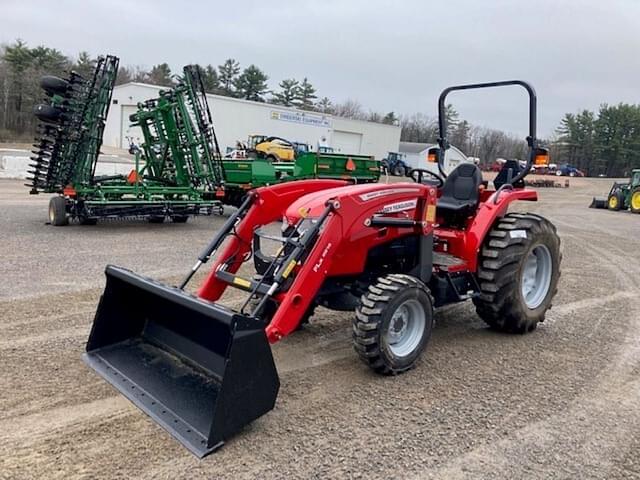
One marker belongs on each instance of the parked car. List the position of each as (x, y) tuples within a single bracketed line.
[(567, 170)]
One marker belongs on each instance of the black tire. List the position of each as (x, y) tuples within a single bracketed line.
[(48, 113), (506, 249), (398, 171), (634, 200), (58, 211), (619, 201), (372, 323), (180, 218), (53, 85), (156, 219)]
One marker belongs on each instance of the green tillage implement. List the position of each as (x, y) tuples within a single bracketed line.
[(178, 172), (242, 175)]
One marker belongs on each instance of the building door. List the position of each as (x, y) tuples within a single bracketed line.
[(346, 142)]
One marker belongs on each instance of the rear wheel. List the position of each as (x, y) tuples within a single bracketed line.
[(398, 171), (58, 211), (518, 272), (615, 201), (393, 323), (634, 200)]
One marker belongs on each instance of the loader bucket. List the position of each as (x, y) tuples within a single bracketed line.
[(200, 370), (598, 203)]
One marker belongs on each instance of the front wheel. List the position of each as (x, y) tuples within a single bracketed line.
[(518, 272), (615, 201), (393, 323)]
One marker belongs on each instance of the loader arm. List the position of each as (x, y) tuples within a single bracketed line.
[(269, 205)]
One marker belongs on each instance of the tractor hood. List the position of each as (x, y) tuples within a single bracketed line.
[(313, 204)]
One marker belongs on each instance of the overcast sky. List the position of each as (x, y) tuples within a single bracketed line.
[(388, 55)]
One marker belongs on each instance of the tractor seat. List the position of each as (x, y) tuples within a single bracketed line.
[(460, 192)]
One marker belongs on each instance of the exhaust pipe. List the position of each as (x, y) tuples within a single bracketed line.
[(199, 369)]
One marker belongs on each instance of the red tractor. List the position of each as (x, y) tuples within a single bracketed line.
[(391, 253)]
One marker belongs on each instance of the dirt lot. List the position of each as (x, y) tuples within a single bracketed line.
[(562, 402)]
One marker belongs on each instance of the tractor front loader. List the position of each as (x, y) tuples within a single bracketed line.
[(622, 196), (391, 253)]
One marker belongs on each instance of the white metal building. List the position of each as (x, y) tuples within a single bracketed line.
[(416, 156), (236, 119)]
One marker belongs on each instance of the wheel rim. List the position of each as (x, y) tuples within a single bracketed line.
[(52, 214), (406, 328), (635, 201), (536, 276), (613, 202)]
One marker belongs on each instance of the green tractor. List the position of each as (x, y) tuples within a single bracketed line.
[(622, 195)]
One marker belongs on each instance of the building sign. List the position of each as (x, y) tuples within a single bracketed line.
[(304, 118)]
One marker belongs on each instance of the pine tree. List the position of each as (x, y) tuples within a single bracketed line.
[(251, 84), (288, 92), (306, 95), (324, 105), (210, 79), (227, 75), (85, 65), (160, 75), (390, 119)]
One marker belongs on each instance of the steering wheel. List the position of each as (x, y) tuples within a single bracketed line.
[(417, 174)]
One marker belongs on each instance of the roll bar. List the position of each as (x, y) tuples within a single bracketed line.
[(532, 141)]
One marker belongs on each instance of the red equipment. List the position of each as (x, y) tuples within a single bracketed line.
[(390, 252)]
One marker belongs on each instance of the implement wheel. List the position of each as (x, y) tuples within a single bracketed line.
[(393, 324), (58, 211), (518, 272), (634, 200), (615, 201), (156, 219), (180, 218)]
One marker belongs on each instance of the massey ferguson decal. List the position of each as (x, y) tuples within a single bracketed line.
[(383, 193), (400, 206)]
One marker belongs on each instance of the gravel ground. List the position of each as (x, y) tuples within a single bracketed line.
[(562, 402)]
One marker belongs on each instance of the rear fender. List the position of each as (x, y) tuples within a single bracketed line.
[(269, 206), (495, 207)]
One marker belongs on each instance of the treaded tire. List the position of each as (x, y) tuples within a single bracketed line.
[(374, 314), (180, 218), (58, 211), (156, 219), (500, 303), (398, 171), (619, 201), (634, 193)]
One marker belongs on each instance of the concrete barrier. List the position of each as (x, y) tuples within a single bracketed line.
[(15, 164)]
